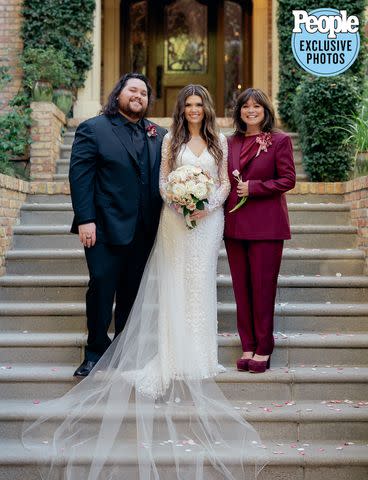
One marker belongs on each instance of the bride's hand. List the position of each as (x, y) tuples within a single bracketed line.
[(198, 214)]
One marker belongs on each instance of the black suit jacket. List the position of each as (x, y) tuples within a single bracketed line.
[(105, 178)]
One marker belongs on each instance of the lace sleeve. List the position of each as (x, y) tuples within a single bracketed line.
[(164, 167), (223, 189)]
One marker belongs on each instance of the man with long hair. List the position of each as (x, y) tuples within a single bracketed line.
[(114, 176)]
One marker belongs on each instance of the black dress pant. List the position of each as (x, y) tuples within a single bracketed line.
[(115, 271)]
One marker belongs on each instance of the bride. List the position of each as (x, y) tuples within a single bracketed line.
[(151, 409)]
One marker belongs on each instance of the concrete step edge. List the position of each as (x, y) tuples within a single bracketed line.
[(283, 340), (64, 229), (293, 207), (295, 309), (223, 280), (288, 253), (330, 454), (305, 412), (49, 373)]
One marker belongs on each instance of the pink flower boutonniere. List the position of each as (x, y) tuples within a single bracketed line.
[(265, 141), (151, 131)]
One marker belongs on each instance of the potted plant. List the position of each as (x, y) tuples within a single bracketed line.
[(44, 69)]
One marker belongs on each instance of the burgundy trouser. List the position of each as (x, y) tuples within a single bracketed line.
[(254, 266)]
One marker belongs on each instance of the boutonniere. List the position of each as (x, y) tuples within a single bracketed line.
[(241, 202), (264, 140), (151, 131)]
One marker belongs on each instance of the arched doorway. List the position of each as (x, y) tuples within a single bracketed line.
[(176, 42)]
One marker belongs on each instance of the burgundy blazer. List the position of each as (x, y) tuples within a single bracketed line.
[(264, 216)]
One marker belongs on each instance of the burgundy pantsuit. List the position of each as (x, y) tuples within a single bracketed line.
[(254, 234)]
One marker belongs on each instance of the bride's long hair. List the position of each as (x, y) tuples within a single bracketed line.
[(180, 132)]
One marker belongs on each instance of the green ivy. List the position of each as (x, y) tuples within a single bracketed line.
[(291, 74), (14, 130), (319, 106), (64, 26)]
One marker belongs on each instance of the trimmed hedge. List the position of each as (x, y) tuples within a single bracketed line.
[(320, 112), (63, 25), (291, 74)]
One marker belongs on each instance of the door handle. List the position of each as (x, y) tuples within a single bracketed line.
[(159, 75)]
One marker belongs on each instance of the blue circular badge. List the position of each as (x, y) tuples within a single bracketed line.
[(325, 41)]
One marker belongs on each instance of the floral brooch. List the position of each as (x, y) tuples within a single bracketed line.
[(151, 131), (264, 140)]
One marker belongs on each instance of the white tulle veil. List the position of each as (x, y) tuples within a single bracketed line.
[(141, 415)]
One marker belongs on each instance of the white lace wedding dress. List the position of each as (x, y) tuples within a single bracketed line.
[(151, 409)]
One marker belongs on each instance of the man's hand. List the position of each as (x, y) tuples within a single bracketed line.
[(87, 234), (242, 189)]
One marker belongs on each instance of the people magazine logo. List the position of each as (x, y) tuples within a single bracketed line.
[(325, 41)]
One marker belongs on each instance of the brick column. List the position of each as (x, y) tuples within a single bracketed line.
[(10, 46), (12, 195), (47, 121), (356, 193)]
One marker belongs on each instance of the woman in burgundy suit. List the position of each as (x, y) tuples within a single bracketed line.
[(262, 159)]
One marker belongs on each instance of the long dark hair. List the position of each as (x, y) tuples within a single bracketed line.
[(179, 131), (259, 96), (112, 105)]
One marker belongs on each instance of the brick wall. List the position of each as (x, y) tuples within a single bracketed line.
[(10, 45), (47, 124), (12, 195), (356, 193)]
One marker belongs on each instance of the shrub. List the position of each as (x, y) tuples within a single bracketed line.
[(48, 65), (323, 136), (14, 130), (64, 26)]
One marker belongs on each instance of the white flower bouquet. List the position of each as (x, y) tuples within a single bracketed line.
[(187, 189)]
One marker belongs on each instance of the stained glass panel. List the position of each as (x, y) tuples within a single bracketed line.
[(233, 54), (186, 42), (138, 36)]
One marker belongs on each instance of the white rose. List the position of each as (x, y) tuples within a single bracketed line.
[(190, 186), (179, 190), (200, 191)]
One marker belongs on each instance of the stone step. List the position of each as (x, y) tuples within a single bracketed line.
[(299, 213), (291, 196), (295, 261), (296, 288), (323, 318), (44, 381), (300, 288), (292, 350), (313, 261), (319, 460), (303, 236), (292, 422), (63, 177)]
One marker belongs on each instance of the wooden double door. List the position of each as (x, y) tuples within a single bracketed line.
[(178, 42)]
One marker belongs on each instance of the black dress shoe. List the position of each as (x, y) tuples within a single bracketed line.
[(85, 369)]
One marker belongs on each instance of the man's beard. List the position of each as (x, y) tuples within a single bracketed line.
[(126, 110)]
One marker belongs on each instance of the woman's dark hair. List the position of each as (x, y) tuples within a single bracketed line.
[(112, 105), (260, 97), (179, 130)]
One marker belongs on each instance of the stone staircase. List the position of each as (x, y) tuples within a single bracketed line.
[(311, 408)]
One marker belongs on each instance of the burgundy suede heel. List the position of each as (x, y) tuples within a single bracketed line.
[(256, 366), (242, 364)]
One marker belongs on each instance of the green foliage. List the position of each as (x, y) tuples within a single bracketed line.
[(291, 74), (48, 65), (327, 155), (14, 130), (64, 26)]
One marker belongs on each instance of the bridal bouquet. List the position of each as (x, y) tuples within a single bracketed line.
[(187, 189)]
